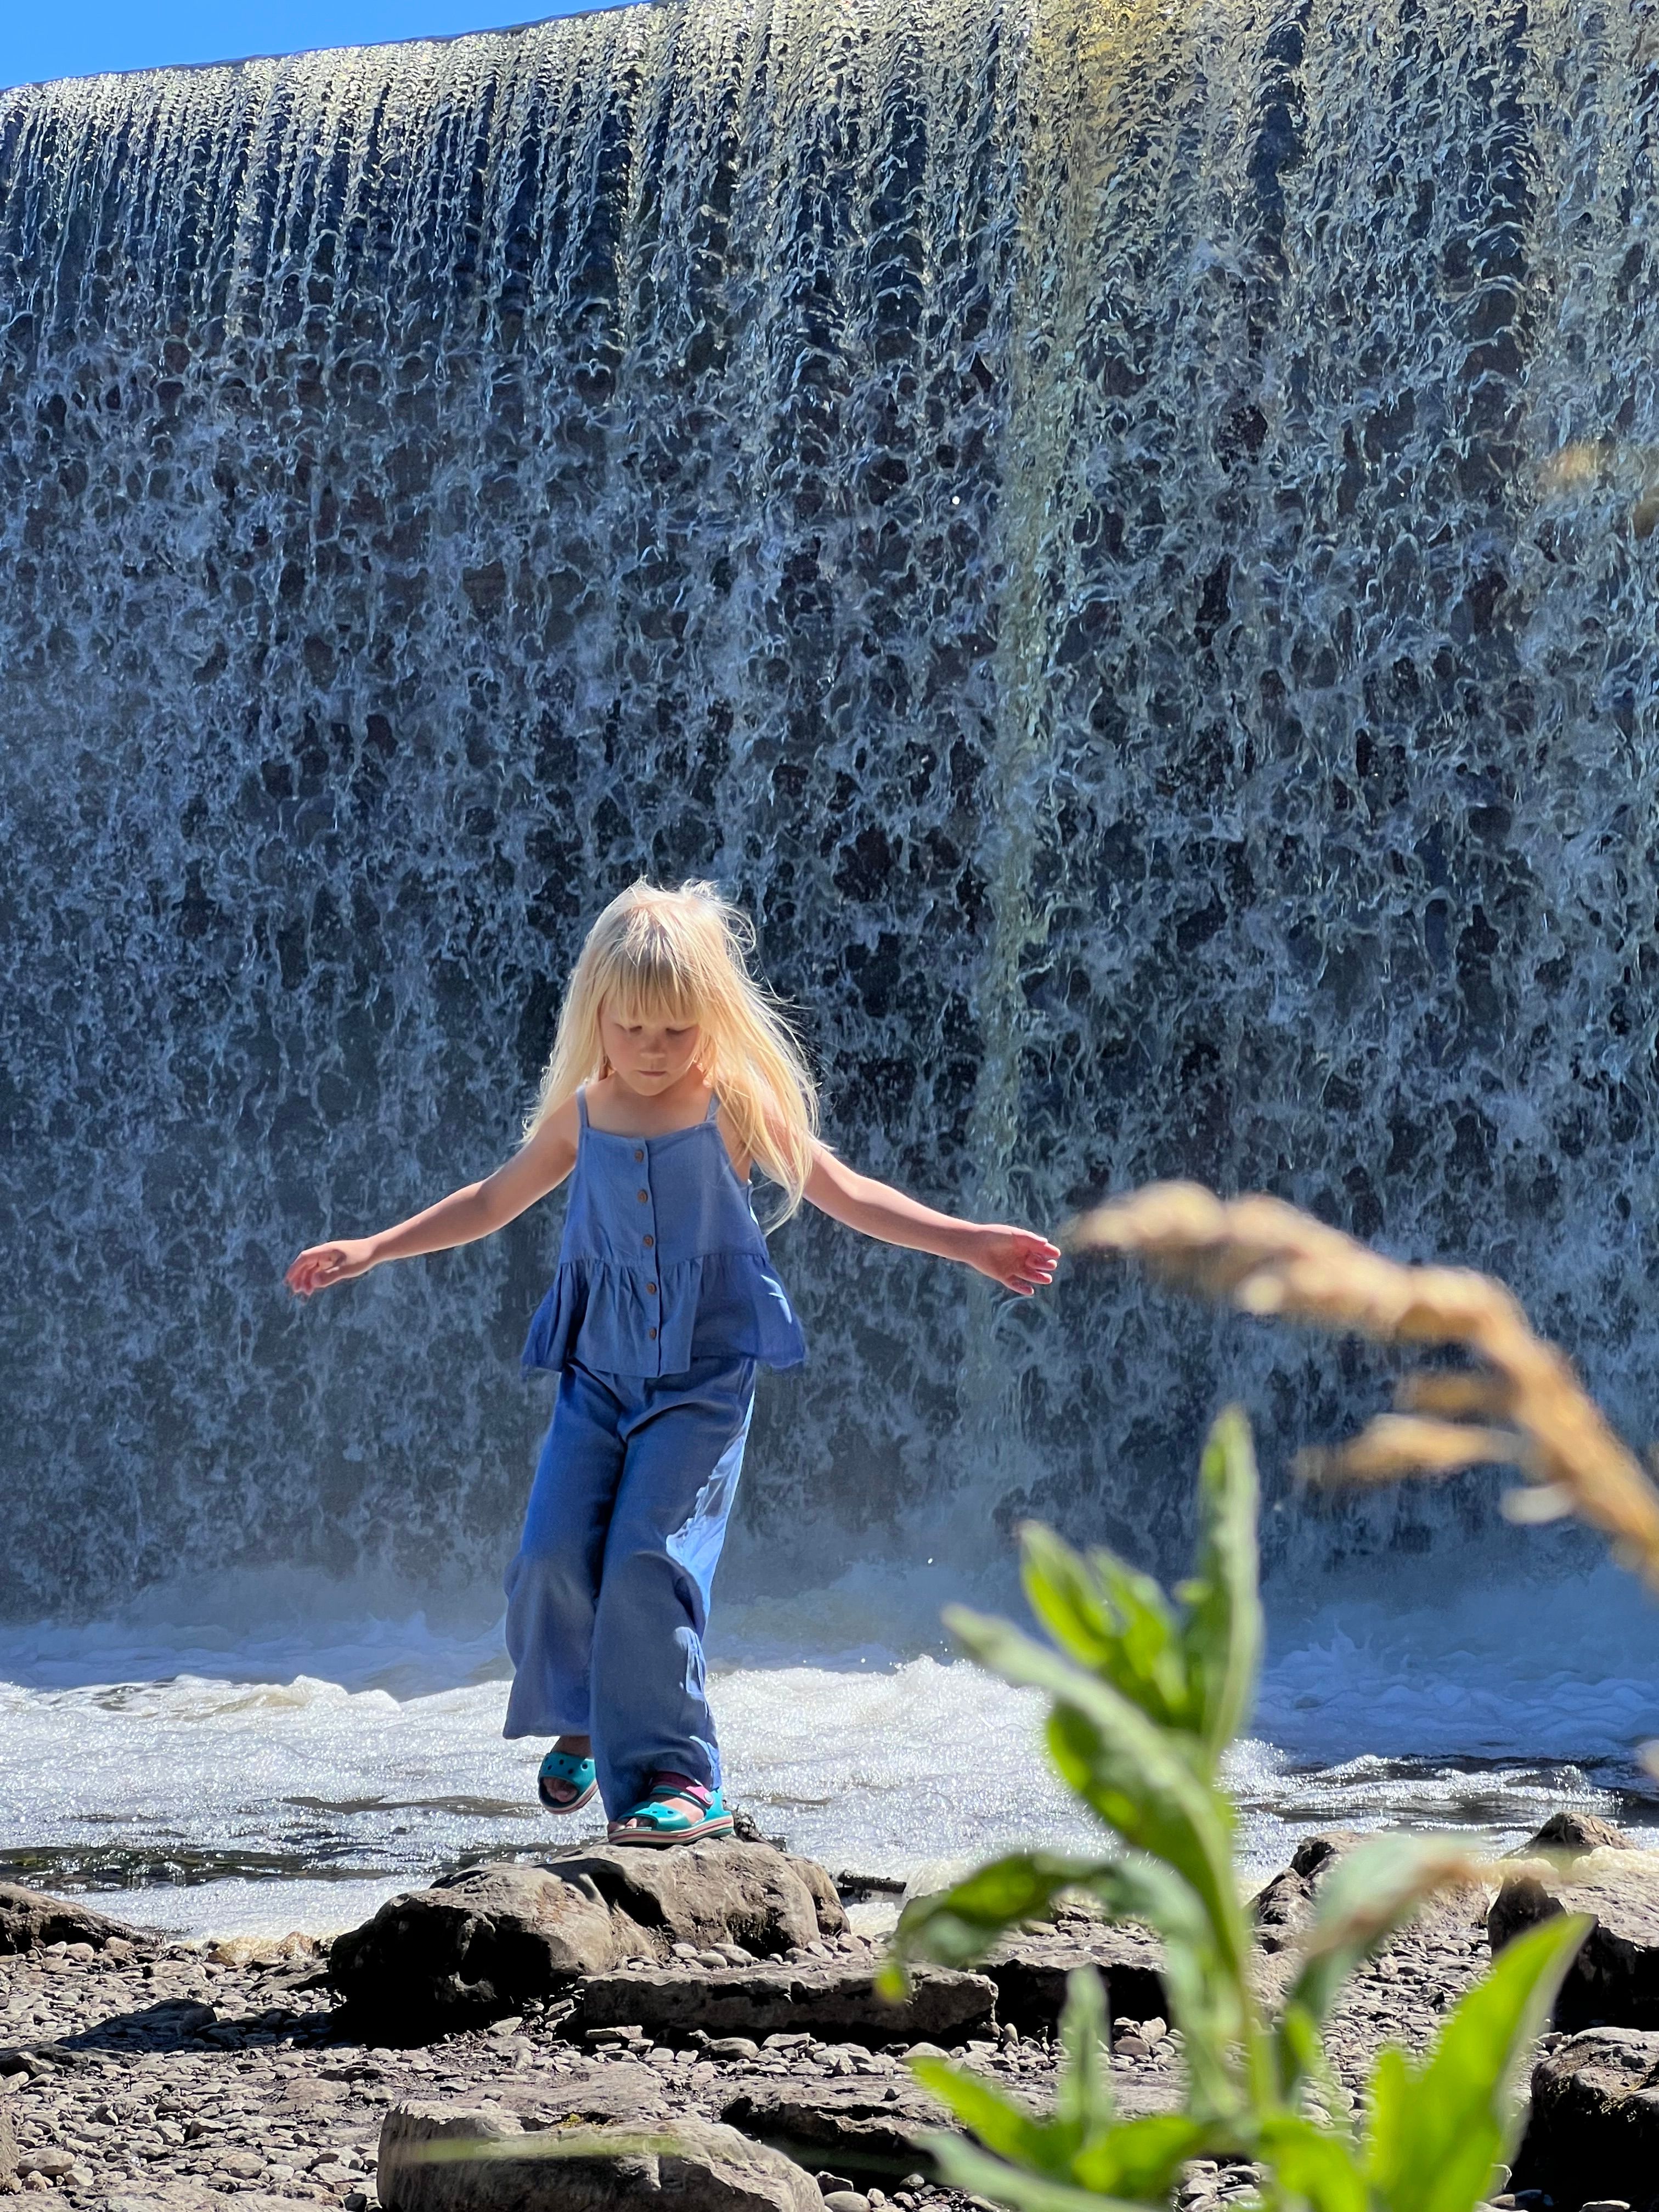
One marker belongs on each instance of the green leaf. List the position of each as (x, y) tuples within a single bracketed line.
[(1141, 2158), (1079, 2146), (963, 2168), (1204, 1996), (1437, 2129), (1127, 1768), (1083, 2093), (1311, 2167), (1135, 2163), (1223, 1631), (1363, 1900), (1001, 2124), (1112, 1621), (958, 1925)]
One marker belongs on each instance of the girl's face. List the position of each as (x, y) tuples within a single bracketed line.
[(651, 1055)]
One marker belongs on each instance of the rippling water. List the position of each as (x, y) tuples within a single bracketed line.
[(219, 1783)]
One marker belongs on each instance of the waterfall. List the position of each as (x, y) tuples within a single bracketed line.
[(1123, 533)]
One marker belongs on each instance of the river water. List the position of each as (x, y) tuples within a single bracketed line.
[(226, 1784)]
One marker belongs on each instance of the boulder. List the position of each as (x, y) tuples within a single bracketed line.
[(29, 1920), (1594, 2129), (480, 1944), (1614, 1980), (1284, 1910), (695, 2168), (1572, 1834), (835, 1999)]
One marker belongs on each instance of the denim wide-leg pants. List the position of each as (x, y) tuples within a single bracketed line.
[(607, 1600)]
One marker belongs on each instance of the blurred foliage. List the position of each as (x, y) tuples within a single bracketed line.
[(1147, 1689)]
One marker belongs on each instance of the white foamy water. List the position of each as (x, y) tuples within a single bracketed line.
[(218, 1783)]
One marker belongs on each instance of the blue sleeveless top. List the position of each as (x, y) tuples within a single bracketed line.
[(663, 1260)]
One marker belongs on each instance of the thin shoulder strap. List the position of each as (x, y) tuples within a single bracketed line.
[(714, 1112), (581, 1103)]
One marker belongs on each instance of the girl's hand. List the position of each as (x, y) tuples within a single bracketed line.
[(321, 1265), (1015, 1258)]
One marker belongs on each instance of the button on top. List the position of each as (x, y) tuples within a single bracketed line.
[(638, 1153), (644, 1197), (652, 1288), (649, 1242)]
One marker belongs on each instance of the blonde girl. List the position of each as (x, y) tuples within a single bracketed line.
[(673, 1074)]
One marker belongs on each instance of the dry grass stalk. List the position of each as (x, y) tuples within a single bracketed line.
[(1521, 1406)]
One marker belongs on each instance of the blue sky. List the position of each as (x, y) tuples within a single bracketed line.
[(40, 39)]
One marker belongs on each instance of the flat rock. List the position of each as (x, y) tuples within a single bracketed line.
[(1031, 1968), (1614, 1980), (481, 1944), (874, 2119), (877, 2121), (182, 2193), (836, 2000), (1594, 2130), (621, 2089), (30, 1920), (708, 2168)]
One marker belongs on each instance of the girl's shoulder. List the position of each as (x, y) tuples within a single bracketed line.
[(562, 1126)]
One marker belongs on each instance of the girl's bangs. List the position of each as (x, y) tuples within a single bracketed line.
[(650, 986)]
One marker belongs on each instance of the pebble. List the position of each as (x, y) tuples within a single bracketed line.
[(260, 2095)]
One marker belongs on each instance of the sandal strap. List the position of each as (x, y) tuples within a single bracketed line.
[(696, 1791), (653, 1812), (568, 1766)]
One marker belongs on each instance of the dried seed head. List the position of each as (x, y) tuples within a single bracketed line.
[(1521, 1404)]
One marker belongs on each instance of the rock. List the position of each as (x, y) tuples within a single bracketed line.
[(708, 2169), (1284, 1909), (1614, 1980), (845, 2200), (835, 1999), (485, 1942), (1030, 1969), (625, 2090), (1594, 2130), (8, 2149), (1575, 1833), (29, 1920), (866, 2120)]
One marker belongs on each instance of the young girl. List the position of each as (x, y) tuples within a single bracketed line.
[(672, 1073)]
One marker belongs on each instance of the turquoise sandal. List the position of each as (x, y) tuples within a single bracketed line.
[(657, 1822), (567, 1766)]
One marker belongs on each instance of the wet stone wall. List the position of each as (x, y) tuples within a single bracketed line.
[(1123, 535)]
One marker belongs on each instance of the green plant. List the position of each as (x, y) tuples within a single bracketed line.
[(1147, 1690)]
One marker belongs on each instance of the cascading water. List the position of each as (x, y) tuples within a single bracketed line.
[(1122, 533)]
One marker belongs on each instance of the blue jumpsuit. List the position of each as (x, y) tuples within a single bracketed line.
[(664, 1304)]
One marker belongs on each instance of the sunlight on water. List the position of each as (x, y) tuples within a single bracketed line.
[(279, 1781)]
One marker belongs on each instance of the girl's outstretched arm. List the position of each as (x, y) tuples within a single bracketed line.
[(478, 1210), (1018, 1259)]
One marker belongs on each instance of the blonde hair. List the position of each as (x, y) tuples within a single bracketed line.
[(682, 956)]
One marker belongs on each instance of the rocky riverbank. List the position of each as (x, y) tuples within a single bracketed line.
[(142, 2076)]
